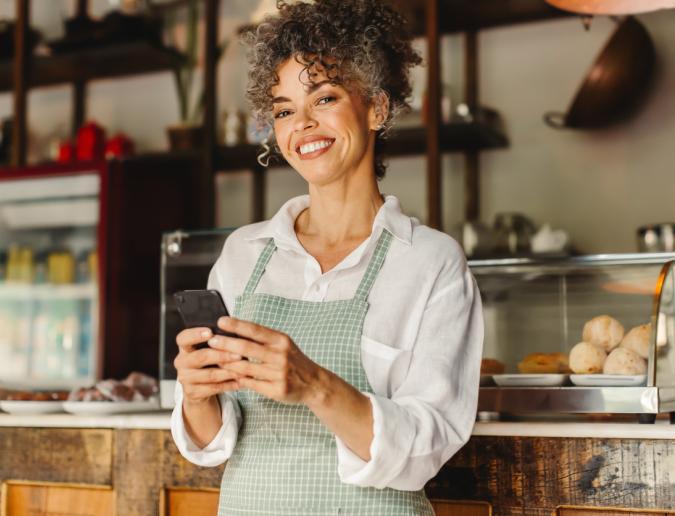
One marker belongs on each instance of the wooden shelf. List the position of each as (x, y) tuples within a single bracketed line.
[(408, 141), (464, 15), (103, 62)]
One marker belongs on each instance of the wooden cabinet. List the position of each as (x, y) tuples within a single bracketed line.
[(592, 511), (446, 508), (140, 472), (204, 502), (30, 499), (189, 502)]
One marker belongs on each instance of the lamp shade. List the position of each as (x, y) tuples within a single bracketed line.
[(611, 7)]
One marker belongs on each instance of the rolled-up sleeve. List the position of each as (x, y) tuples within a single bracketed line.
[(221, 446), (430, 415)]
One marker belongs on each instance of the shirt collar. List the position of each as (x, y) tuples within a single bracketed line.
[(281, 226)]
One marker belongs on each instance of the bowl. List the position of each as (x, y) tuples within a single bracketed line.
[(616, 83)]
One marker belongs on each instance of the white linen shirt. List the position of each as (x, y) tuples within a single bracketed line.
[(421, 345)]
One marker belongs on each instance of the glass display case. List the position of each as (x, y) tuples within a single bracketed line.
[(535, 315), (49, 293), (537, 312), (187, 258)]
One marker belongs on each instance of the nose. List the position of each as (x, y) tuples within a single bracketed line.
[(303, 121)]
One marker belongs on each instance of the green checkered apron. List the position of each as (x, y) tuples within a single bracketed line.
[(285, 460)]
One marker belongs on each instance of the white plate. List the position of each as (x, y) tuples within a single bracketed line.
[(93, 408), (529, 380), (608, 380), (31, 407)]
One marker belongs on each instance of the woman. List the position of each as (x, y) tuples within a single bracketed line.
[(355, 372)]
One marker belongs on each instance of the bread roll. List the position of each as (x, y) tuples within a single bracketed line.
[(624, 361), (637, 339), (491, 366), (587, 358), (603, 331)]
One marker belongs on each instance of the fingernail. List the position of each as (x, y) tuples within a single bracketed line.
[(206, 334), (213, 341)]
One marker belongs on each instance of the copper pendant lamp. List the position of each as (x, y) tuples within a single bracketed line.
[(611, 7)]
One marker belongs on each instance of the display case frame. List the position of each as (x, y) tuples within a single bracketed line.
[(186, 261), (658, 393)]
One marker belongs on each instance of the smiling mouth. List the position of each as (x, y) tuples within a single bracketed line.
[(313, 149)]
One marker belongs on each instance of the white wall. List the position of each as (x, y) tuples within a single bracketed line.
[(600, 185)]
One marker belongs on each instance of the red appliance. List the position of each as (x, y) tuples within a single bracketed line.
[(119, 146), (90, 142)]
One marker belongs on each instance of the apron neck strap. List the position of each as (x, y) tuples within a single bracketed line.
[(366, 282), (259, 268), (374, 266)]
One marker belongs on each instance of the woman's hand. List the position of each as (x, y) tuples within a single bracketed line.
[(200, 382), (275, 368)]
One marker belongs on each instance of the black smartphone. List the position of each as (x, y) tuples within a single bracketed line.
[(201, 308)]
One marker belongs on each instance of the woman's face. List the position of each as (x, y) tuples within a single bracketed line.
[(325, 132)]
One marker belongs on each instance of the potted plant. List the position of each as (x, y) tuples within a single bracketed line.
[(188, 133)]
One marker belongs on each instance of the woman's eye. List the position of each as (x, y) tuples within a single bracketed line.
[(282, 114), (325, 100)]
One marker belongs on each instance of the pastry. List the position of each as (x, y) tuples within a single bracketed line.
[(604, 331), (537, 363), (624, 361), (637, 339), (491, 366), (563, 362), (135, 387), (587, 358)]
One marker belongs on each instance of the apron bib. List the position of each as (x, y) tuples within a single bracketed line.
[(285, 460)]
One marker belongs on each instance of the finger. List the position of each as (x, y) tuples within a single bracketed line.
[(260, 386), (200, 392), (190, 337), (245, 348), (248, 330), (218, 342), (253, 370), (205, 357), (212, 375)]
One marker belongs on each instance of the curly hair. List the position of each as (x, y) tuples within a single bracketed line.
[(362, 45)]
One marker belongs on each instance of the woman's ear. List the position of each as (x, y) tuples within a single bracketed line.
[(379, 111)]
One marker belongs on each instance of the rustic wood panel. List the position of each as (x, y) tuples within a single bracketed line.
[(587, 511), (533, 476), (517, 476), (69, 455), (137, 470), (443, 508), (190, 502), (31, 499), (179, 472)]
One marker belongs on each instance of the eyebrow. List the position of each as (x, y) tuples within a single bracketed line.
[(311, 89)]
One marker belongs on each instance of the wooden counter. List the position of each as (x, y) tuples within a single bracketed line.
[(527, 469)]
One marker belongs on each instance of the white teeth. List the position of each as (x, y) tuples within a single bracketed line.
[(314, 146)]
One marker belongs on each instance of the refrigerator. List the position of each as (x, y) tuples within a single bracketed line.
[(80, 267)]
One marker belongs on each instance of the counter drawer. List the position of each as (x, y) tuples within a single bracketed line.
[(453, 508), (183, 501), (20, 498), (593, 511)]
